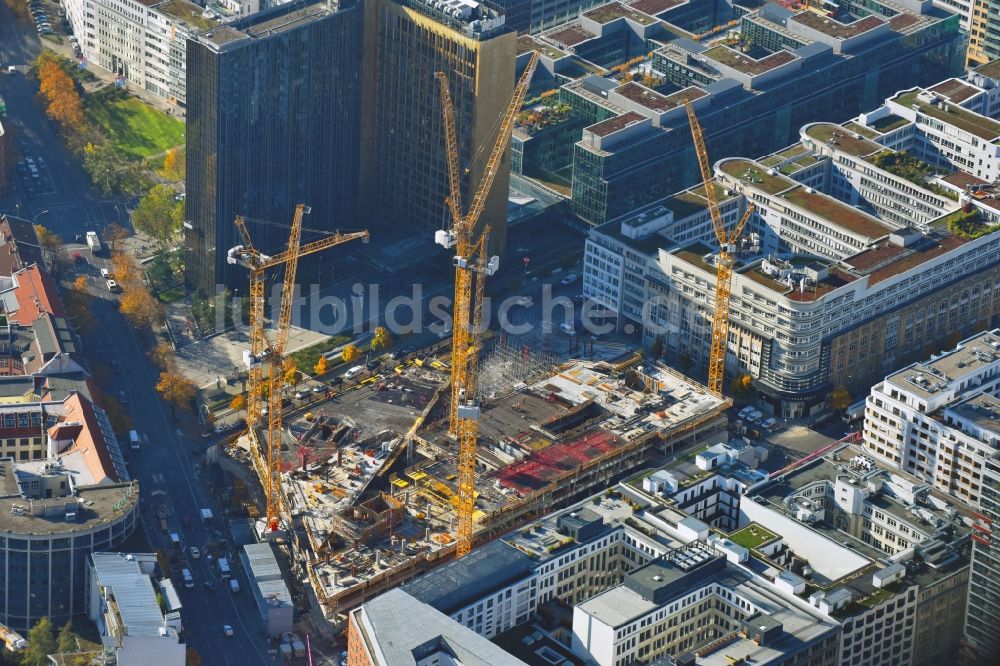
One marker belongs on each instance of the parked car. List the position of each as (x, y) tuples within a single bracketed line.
[(769, 423), (105, 273)]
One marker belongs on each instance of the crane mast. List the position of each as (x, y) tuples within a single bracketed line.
[(473, 264), (260, 353), (724, 264)]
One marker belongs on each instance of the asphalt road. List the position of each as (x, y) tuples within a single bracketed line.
[(166, 466), (73, 207)]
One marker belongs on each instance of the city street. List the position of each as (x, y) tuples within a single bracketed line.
[(167, 465), (72, 207)]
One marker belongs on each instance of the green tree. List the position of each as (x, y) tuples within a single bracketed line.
[(840, 399), (159, 215), (101, 164), (41, 643), (380, 339), (66, 639)]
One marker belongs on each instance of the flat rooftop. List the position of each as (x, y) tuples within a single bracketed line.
[(834, 28), (990, 69), (654, 7), (963, 119), (266, 24), (655, 101), (569, 35), (955, 90), (746, 64), (94, 505), (616, 10), (756, 174), (971, 356), (839, 214), (885, 259), (842, 140), (526, 43), (612, 125), (188, 13)]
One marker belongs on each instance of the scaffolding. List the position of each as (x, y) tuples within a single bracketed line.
[(511, 363)]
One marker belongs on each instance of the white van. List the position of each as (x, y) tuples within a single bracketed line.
[(133, 439), (354, 372), (188, 579)]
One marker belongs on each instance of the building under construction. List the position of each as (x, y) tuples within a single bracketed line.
[(369, 475)]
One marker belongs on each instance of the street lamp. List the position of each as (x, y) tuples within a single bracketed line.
[(34, 220)]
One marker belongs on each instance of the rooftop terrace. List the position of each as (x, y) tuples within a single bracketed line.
[(963, 119), (842, 140), (746, 64), (612, 125), (616, 10), (755, 174), (836, 212), (653, 100), (834, 28), (885, 259), (569, 35), (526, 43), (188, 13)]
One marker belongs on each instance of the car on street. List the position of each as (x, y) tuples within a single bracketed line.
[(210, 586), (194, 552), (78, 258), (525, 301), (445, 332), (579, 299), (105, 273), (227, 630), (299, 395), (568, 280), (567, 327), (123, 397), (318, 389), (112, 286)]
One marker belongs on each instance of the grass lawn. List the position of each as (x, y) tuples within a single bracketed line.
[(306, 358), (751, 536), (135, 129)]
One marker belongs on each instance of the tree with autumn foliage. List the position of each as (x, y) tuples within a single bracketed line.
[(322, 366), (380, 339), (238, 404), (174, 164), (123, 270), (53, 250), (349, 353), (840, 398), (78, 301), (140, 307), (290, 372), (63, 101), (162, 356), (176, 389)]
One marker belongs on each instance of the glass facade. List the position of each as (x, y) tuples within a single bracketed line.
[(273, 112), (45, 575), (609, 184)]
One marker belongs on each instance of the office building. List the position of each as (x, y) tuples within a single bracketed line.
[(395, 629), (983, 18), (752, 92), (982, 618), (875, 549), (937, 419), (58, 512), (860, 248), (404, 169), (143, 42), (122, 603), (694, 601), (272, 122)]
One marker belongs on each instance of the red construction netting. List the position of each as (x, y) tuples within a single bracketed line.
[(543, 466)]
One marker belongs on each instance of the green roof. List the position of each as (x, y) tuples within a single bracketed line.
[(756, 174), (963, 119), (834, 211), (845, 140)]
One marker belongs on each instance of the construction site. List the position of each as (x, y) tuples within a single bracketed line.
[(369, 476)]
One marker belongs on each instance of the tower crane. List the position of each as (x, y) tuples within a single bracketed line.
[(724, 263), (473, 265), (272, 355)]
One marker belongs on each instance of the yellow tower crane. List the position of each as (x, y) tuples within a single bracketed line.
[(473, 264), (272, 355), (724, 263)]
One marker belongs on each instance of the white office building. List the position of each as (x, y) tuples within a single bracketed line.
[(940, 419)]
